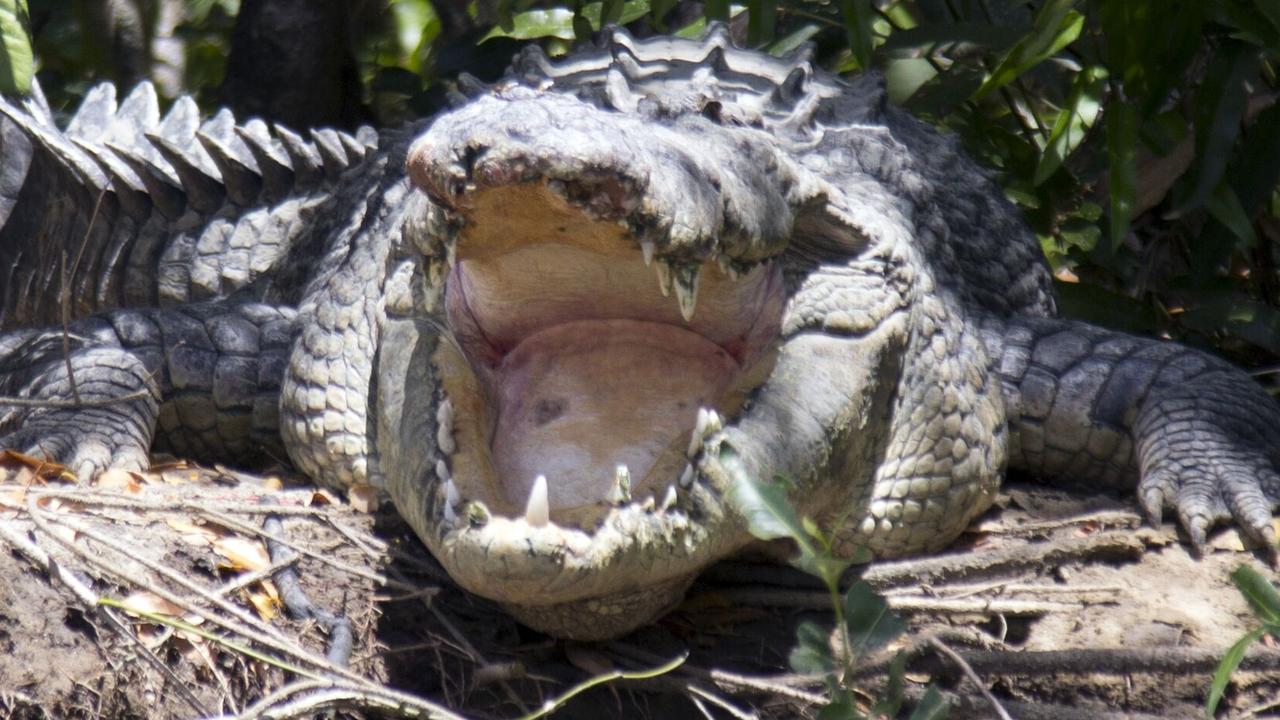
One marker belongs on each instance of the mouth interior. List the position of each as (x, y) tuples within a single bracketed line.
[(573, 362)]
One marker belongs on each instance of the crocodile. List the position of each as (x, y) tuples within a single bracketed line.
[(561, 322)]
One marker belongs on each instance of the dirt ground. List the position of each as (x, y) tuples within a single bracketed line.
[(1062, 605)]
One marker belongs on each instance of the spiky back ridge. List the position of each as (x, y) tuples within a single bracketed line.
[(711, 76), (178, 161), (147, 208)]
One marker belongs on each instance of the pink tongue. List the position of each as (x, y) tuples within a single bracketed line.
[(578, 399)]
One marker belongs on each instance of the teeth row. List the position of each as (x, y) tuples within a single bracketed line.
[(537, 510), (683, 278), (709, 423)]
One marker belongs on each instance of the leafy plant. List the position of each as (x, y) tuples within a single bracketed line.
[(15, 48), (863, 626), (1265, 603)]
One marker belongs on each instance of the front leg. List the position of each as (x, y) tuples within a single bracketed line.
[(200, 380), (1198, 434)]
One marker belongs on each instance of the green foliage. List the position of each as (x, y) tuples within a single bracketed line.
[(15, 48), (1141, 138), (864, 625), (1265, 603)]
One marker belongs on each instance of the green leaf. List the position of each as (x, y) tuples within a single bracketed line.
[(1122, 153), (904, 76), (1260, 593), (891, 701), (1225, 207), (925, 37), (812, 653), (716, 9), (1055, 27), (1073, 122), (857, 16), (610, 12), (560, 22), (841, 708), (931, 707), (1255, 166), (787, 44), (764, 505), (868, 620), (762, 18), (1227, 668), (16, 61), (1219, 107)]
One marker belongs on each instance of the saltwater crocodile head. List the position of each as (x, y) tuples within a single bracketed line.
[(621, 267)]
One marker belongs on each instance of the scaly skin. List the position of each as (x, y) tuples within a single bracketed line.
[(884, 315)]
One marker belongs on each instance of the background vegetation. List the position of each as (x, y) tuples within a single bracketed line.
[(1141, 137)]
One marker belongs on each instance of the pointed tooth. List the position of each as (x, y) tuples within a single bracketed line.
[(451, 496), (442, 471), (669, 498), (722, 261), (686, 284), (664, 277), (444, 428), (686, 477), (620, 494), (699, 432), (451, 253), (714, 423), (647, 248), (538, 511)]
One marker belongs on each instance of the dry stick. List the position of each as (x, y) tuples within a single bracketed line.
[(266, 634), (106, 498), (814, 600), (947, 568), (969, 706), (1176, 659), (64, 292), (322, 694), (72, 404), (782, 685), (248, 529), (969, 673), (248, 626), (90, 602), (720, 703)]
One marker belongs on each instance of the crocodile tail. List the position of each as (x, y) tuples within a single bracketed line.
[(103, 201)]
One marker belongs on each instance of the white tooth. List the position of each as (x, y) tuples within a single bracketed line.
[(723, 262), (699, 432), (686, 477), (451, 498), (444, 428), (669, 499), (538, 512), (451, 253), (714, 423), (664, 277), (686, 282), (442, 470), (646, 249), (621, 493)]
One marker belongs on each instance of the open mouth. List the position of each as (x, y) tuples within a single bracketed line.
[(588, 368)]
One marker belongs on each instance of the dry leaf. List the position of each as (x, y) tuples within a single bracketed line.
[(363, 497), (193, 534), (242, 553), (117, 479), (265, 599), (321, 497), (44, 470), (145, 601)]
